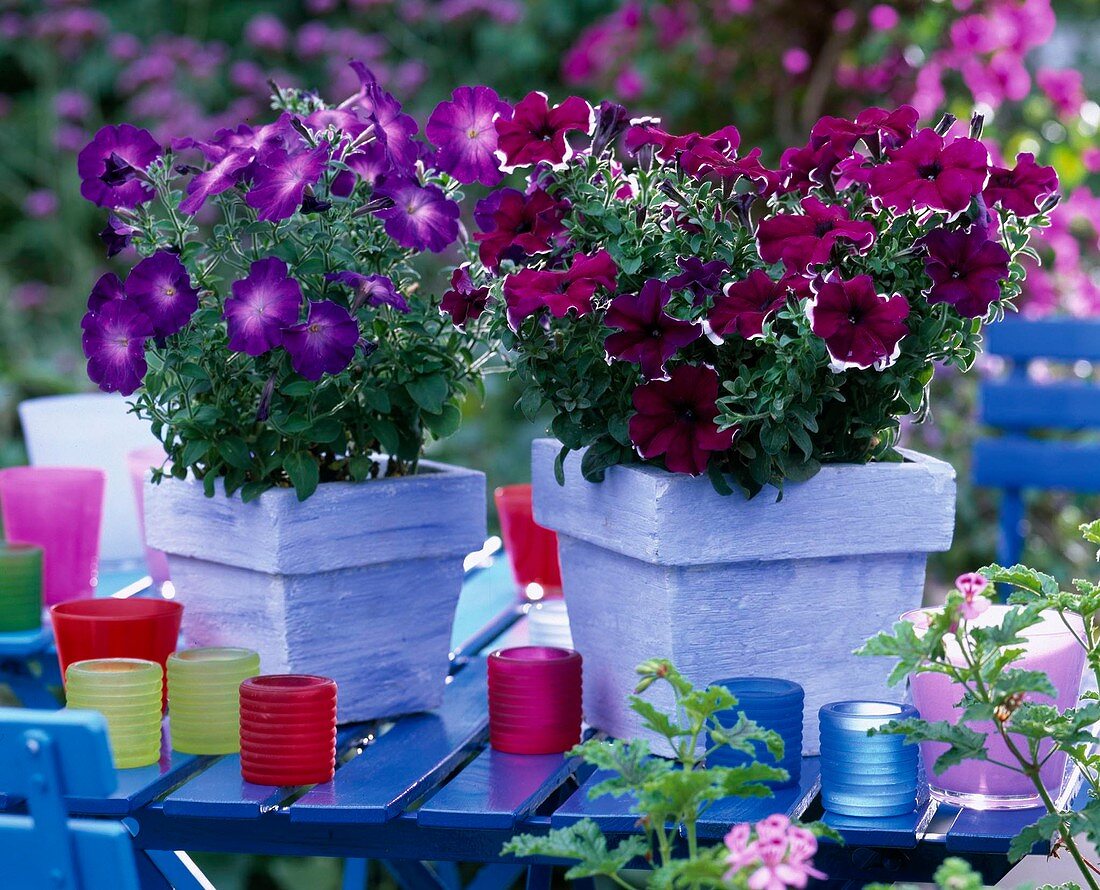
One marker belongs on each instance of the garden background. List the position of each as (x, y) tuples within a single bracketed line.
[(771, 67)]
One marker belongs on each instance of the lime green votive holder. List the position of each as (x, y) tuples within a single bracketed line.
[(204, 698), (127, 691), (20, 587)]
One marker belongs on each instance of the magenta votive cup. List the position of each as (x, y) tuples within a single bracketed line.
[(140, 464), (288, 729), (60, 509), (534, 700)]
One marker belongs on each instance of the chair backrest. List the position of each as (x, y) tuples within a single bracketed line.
[(45, 756), (1019, 407)]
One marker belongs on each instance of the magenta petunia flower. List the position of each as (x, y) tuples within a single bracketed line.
[(161, 288), (966, 269), (529, 291), (373, 290), (536, 132), (1022, 188), (281, 178), (745, 305), (220, 177), (464, 302), (106, 290), (647, 335), (926, 173), (324, 343), (702, 279), (861, 328), (114, 344), (517, 225), (422, 216), (891, 129), (262, 305), (464, 132), (802, 240), (117, 236), (110, 163), (675, 418)]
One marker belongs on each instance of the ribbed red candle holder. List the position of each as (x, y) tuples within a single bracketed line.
[(288, 729), (534, 700)]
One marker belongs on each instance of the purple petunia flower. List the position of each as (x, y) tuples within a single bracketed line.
[(422, 216), (801, 240), (1020, 189), (463, 131), (647, 334), (374, 290), (464, 302), (161, 288), (262, 305), (114, 344), (702, 279), (612, 120), (221, 176), (860, 328), (517, 225), (396, 129), (281, 178), (529, 291), (926, 173), (108, 166), (369, 163), (324, 343), (675, 418), (745, 305), (107, 289), (117, 236), (966, 269), (535, 132)]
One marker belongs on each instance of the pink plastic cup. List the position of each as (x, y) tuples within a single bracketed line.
[(140, 463), (60, 509)]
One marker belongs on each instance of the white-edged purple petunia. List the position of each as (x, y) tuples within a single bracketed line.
[(281, 179), (161, 288), (324, 343), (263, 304), (422, 216), (464, 132), (114, 343), (109, 166), (372, 290)]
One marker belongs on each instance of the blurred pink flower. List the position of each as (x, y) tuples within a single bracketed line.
[(71, 105), (1091, 159), (124, 47), (266, 33), (845, 20), (883, 17), (311, 39), (1065, 89), (1002, 77), (739, 7), (40, 204), (629, 84), (796, 60), (30, 294)]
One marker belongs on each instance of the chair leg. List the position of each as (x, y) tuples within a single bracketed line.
[(499, 876), (539, 877), (355, 874), (411, 875)]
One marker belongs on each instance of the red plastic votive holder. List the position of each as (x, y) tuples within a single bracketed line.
[(532, 550), (534, 700), (288, 729)]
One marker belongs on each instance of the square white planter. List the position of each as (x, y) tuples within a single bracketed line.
[(359, 583), (656, 564)]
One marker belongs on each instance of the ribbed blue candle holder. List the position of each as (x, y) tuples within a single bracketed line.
[(776, 705), (864, 775)]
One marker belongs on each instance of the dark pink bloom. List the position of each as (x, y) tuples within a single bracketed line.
[(161, 288), (702, 279), (262, 306), (745, 305), (422, 216), (464, 302), (109, 166), (966, 269), (1022, 188), (464, 132), (535, 133), (801, 240), (529, 291), (647, 334), (114, 343), (861, 328), (890, 129), (924, 173), (675, 418), (281, 178), (372, 290), (517, 225), (324, 343)]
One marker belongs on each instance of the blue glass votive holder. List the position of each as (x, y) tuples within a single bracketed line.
[(776, 705), (862, 775)]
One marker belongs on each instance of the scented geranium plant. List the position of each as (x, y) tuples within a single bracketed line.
[(277, 331), (672, 300)]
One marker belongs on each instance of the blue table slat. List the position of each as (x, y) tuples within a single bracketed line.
[(989, 831), (219, 792), (406, 762), (1065, 338), (495, 790), (612, 814), (902, 832), (792, 801), (25, 644)]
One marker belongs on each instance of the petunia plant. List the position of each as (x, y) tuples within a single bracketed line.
[(675, 301), (277, 331)]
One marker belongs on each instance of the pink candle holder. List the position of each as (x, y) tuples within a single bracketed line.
[(288, 729), (532, 549), (534, 700), (60, 509), (140, 464)]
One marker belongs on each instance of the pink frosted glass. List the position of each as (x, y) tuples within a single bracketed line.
[(60, 509), (139, 463)]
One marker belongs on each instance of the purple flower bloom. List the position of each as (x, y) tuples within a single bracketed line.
[(800, 240), (161, 288), (281, 178), (374, 290), (464, 302), (966, 269), (117, 236), (1022, 188), (463, 131), (535, 132), (745, 305), (518, 225), (262, 305), (647, 334), (220, 177), (612, 120), (114, 344), (397, 129), (370, 163), (926, 173), (117, 153), (422, 217), (702, 279), (529, 291), (676, 418), (324, 343), (860, 328), (107, 289)]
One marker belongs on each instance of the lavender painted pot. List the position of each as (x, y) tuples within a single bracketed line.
[(656, 564), (358, 583)]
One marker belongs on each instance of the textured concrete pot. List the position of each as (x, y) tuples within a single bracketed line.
[(359, 583), (659, 565)]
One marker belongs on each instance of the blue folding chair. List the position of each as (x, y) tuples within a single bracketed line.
[(1027, 454)]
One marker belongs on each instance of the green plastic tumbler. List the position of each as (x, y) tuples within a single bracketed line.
[(127, 691), (20, 587), (204, 699)]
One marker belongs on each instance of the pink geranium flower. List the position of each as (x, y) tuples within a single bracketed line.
[(972, 586), (780, 857)]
